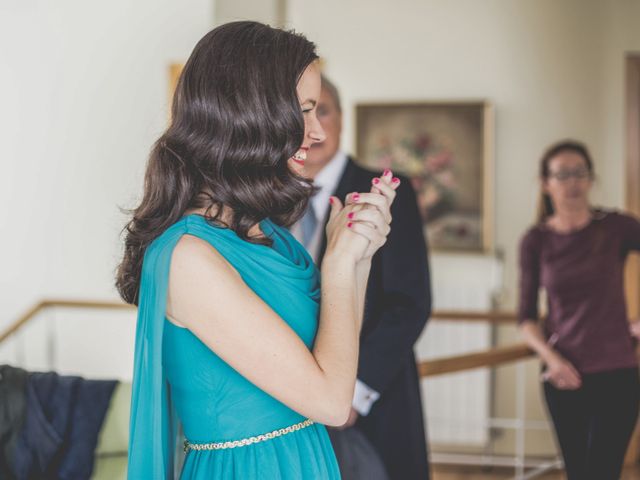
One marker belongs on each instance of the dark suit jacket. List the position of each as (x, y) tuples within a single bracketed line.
[(397, 306)]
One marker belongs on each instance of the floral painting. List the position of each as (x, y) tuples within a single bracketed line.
[(444, 149)]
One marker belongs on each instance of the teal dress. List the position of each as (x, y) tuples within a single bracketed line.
[(234, 429)]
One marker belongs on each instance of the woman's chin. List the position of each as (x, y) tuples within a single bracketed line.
[(297, 166)]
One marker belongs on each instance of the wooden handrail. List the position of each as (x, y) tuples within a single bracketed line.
[(470, 361), (492, 357), (450, 315), (465, 316), (48, 303)]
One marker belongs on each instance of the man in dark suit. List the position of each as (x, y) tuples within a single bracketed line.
[(387, 408)]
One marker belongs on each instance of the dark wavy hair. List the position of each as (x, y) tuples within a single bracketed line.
[(545, 205), (235, 122)]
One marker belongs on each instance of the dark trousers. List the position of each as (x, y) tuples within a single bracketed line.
[(594, 423)]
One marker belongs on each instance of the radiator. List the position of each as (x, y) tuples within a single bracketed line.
[(457, 406)]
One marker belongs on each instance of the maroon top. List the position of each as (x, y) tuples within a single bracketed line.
[(582, 273)]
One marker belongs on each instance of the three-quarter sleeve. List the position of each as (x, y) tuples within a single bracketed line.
[(630, 232), (529, 277)]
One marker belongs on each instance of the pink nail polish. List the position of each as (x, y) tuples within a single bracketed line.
[(349, 225), (395, 180), (331, 200), (356, 197), (386, 172), (350, 216), (376, 181)]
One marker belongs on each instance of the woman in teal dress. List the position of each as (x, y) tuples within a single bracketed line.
[(236, 344)]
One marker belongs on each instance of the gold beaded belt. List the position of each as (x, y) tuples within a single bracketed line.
[(246, 441)]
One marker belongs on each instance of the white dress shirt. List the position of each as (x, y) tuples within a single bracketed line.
[(327, 180)]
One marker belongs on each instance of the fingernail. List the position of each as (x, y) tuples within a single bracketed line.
[(376, 181), (395, 180), (356, 197), (386, 172), (350, 215), (349, 225), (331, 200)]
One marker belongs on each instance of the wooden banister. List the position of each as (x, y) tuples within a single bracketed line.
[(440, 366), (48, 303), (487, 358), (466, 316)]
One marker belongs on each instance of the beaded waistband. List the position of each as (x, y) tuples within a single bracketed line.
[(246, 441)]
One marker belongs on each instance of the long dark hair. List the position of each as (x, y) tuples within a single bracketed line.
[(236, 120), (545, 204)]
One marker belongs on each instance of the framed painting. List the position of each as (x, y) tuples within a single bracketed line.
[(446, 150)]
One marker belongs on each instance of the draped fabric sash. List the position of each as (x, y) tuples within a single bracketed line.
[(153, 422)]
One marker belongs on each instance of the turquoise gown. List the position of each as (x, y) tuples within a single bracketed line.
[(179, 381)]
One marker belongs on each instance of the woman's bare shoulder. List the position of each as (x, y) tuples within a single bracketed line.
[(193, 253), (198, 272)]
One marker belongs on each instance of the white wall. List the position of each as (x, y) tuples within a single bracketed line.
[(270, 12), (83, 94)]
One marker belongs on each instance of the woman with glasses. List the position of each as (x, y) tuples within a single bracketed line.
[(577, 253)]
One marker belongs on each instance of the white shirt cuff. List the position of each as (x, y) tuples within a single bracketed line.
[(363, 398)]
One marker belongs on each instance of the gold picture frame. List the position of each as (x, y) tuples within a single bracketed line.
[(175, 69), (446, 150)]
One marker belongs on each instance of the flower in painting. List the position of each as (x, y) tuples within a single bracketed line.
[(429, 165)]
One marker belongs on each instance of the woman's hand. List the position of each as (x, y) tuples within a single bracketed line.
[(634, 329), (360, 227), (371, 216), (562, 374)]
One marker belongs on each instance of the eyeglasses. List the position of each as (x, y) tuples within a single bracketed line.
[(565, 175)]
